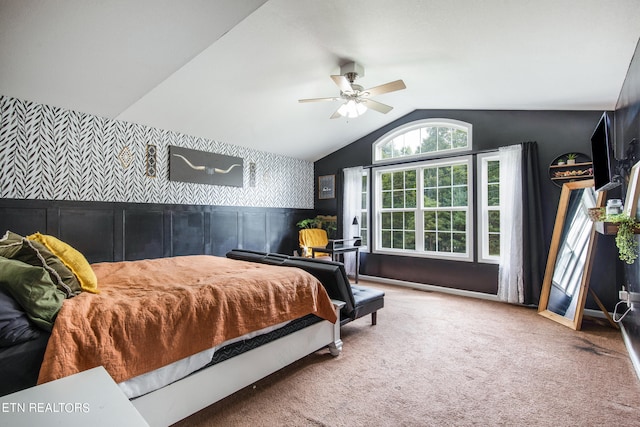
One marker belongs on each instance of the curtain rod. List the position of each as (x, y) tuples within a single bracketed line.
[(448, 156)]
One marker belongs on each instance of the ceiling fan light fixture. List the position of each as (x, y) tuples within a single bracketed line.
[(352, 109), (357, 99)]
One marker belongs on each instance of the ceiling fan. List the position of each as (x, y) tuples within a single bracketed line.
[(357, 99)]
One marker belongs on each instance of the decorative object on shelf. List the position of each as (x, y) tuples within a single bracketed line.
[(596, 214), (571, 173), (327, 187), (614, 207), (622, 221), (625, 236), (570, 167), (202, 167)]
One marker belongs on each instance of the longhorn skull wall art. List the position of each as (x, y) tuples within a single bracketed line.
[(202, 167)]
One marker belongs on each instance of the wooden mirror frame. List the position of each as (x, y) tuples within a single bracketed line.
[(563, 204)]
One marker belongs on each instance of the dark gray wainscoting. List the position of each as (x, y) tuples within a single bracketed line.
[(627, 137), (105, 231)]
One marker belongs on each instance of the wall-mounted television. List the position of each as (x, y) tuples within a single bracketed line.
[(602, 157)]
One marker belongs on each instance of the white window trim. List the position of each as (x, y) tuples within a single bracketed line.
[(367, 210), (458, 124), (376, 213), (483, 210)]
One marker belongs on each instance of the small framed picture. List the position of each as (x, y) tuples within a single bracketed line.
[(327, 187)]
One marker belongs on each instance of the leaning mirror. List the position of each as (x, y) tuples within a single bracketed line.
[(566, 278)]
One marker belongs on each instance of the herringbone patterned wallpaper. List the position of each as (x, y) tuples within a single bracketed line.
[(56, 154)]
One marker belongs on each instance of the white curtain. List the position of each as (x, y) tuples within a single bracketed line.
[(510, 273), (351, 206)]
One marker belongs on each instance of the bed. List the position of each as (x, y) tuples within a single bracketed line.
[(176, 333)]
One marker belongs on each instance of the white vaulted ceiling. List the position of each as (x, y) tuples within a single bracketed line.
[(233, 70)]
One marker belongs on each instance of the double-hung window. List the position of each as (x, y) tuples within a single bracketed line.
[(489, 208), (425, 209), (397, 207), (364, 210)]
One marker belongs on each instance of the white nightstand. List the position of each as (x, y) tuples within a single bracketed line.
[(89, 398)]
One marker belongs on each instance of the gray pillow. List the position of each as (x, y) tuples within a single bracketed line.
[(15, 327)]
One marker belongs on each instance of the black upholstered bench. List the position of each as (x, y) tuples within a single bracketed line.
[(359, 300), (366, 300)]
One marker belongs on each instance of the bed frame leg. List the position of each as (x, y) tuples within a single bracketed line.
[(335, 348)]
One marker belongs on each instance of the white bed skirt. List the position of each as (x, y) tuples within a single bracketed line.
[(145, 383), (184, 397)]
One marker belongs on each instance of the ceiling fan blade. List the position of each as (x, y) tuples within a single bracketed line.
[(333, 98), (386, 88), (378, 106), (336, 114), (343, 83)]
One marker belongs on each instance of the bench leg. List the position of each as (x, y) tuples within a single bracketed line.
[(374, 318)]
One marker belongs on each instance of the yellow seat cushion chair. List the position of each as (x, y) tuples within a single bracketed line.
[(309, 237)]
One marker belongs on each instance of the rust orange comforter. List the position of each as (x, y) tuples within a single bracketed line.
[(154, 312)]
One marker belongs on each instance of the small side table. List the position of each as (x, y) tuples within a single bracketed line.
[(336, 250), (89, 398)]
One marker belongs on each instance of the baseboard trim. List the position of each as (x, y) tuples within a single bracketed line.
[(632, 355), (431, 288), (460, 292)]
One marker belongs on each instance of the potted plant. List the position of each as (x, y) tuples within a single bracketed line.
[(325, 222), (625, 237), (560, 161), (309, 223), (571, 158)]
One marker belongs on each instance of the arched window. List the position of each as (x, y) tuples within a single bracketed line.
[(424, 208), (423, 138)]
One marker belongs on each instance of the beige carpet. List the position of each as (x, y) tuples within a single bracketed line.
[(442, 360)]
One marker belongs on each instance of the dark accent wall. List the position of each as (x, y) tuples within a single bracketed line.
[(627, 137), (556, 132), (110, 231)]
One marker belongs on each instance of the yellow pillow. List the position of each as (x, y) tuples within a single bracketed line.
[(73, 259)]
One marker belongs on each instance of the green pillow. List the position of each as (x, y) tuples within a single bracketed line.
[(14, 246), (33, 289)]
